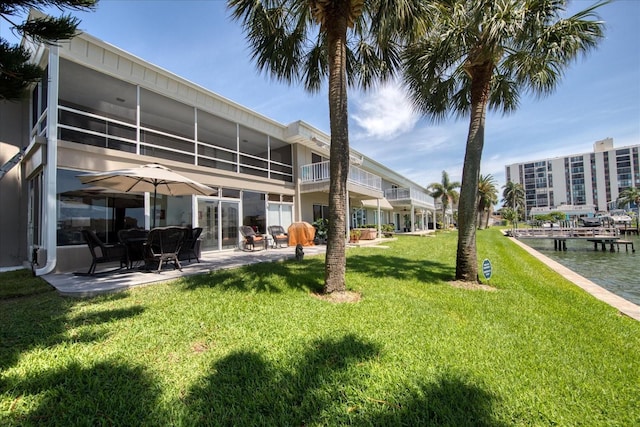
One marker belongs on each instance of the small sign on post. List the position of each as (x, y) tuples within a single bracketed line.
[(486, 269)]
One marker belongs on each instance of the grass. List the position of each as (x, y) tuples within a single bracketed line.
[(253, 347), (20, 283)]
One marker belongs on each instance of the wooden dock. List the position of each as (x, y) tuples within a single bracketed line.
[(628, 230), (603, 236)]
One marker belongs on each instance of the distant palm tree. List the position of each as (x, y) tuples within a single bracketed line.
[(487, 198), (481, 55), (628, 196), (444, 190), (306, 41), (513, 197)]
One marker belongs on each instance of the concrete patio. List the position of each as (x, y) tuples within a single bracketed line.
[(70, 284)]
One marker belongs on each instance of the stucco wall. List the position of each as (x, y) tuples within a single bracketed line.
[(13, 207)]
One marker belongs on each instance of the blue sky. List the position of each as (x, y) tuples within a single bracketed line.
[(599, 96)]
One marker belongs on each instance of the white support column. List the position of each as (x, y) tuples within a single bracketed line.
[(379, 220), (348, 217), (49, 213), (138, 120), (413, 218), (147, 210)]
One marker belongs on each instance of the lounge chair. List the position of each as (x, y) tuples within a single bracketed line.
[(250, 238), (163, 245), (102, 252), (280, 237)]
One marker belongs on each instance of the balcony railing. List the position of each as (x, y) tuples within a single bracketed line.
[(93, 129), (319, 172), (392, 194)]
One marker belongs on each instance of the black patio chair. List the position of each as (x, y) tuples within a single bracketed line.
[(250, 238), (191, 246), (102, 252), (280, 237), (163, 245)]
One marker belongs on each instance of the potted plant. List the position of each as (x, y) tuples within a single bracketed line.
[(321, 226), (354, 236), (387, 230), (368, 232)]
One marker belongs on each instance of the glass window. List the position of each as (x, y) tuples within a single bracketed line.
[(320, 212), (231, 193), (80, 207), (254, 211), (172, 210)]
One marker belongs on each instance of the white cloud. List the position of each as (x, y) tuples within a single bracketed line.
[(384, 113)]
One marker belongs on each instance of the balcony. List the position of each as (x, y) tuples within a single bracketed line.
[(408, 196), (315, 177)]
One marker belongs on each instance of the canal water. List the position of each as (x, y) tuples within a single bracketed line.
[(618, 272)]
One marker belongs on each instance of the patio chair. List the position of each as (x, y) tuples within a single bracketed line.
[(250, 238), (163, 245), (280, 237), (191, 246), (102, 252)]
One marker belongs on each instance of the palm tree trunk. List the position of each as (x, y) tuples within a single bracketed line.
[(466, 257), (335, 262), (488, 215)]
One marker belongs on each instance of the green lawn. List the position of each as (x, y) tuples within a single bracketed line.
[(254, 347)]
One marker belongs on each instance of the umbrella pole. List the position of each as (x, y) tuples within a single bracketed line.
[(155, 193)]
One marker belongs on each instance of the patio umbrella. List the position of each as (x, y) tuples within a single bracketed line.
[(148, 178)]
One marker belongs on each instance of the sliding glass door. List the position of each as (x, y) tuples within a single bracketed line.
[(219, 221)]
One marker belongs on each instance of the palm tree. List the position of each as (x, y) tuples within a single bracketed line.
[(444, 190), (306, 41), (487, 198), (513, 197), (481, 55), (628, 196)]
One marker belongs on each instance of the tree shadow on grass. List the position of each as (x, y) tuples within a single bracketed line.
[(46, 321), (450, 401), (108, 393), (308, 275), (244, 389), (264, 277), (324, 387), (400, 268)]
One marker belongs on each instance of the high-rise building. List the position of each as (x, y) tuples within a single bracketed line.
[(583, 183)]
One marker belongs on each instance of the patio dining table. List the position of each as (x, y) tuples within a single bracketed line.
[(134, 242)]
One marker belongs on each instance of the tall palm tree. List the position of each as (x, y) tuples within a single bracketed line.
[(487, 198), (481, 55), (628, 196), (305, 41), (445, 190), (513, 197)]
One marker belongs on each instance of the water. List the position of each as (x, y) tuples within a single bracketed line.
[(618, 272)]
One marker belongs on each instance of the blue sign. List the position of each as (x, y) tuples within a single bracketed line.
[(486, 269)]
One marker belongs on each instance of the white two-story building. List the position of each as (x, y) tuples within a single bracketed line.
[(100, 108)]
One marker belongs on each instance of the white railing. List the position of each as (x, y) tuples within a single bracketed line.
[(407, 194), (94, 129), (319, 172)]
